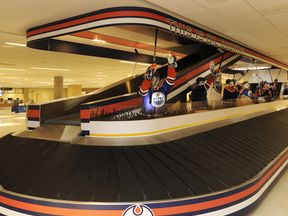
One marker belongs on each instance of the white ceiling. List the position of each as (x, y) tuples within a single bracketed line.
[(261, 24), (17, 16)]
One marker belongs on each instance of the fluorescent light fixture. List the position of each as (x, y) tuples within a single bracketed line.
[(129, 62), (15, 44), (12, 69), (252, 68), (99, 41), (52, 69)]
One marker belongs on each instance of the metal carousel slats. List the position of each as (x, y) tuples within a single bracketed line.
[(195, 165)]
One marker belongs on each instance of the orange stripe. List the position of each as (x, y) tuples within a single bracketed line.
[(58, 211), (85, 114), (33, 113), (123, 42), (95, 18), (158, 211)]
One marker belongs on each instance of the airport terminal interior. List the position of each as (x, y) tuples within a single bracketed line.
[(144, 108)]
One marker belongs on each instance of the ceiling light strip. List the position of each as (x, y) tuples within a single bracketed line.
[(15, 44), (52, 69), (12, 69)]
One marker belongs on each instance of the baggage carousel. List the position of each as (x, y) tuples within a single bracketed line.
[(221, 171)]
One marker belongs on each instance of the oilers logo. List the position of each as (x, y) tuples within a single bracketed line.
[(138, 210), (158, 99)]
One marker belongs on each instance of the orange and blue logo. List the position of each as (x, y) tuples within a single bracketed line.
[(138, 210)]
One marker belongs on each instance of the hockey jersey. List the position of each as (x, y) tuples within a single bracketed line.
[(146, 91)]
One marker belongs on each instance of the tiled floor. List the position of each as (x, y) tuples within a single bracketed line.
[(274, 204), (11, 122), (276, 201)]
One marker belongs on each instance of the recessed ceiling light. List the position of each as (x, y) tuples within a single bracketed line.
[(52, 69), (15, 44), (12, 69)]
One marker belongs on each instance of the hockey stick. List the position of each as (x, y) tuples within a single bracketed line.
[(135, 65)]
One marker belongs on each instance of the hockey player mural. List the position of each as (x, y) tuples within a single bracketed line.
[(153, 90)]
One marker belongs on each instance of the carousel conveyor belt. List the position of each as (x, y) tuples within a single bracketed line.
[(199, 164)]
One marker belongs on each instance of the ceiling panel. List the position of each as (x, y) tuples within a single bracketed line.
[(269, 7), (17, 16), (260, 24)]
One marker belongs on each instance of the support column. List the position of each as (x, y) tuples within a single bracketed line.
[(74, 90), (26, 95), (58, 87)]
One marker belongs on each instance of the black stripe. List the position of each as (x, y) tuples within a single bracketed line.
[(33, 107), (85, 133), (85, 120), (33, 119), (88, 50)]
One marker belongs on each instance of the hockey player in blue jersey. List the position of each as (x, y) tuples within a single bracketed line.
[(152, 90)]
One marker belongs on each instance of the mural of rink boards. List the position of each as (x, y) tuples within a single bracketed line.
[(141, 16)]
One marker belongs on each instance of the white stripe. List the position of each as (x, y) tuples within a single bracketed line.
[(33, 124), (97, 24), (85, 126), (172, 78), (169, 83), (246, 203), (11, 213), (143, 90)]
